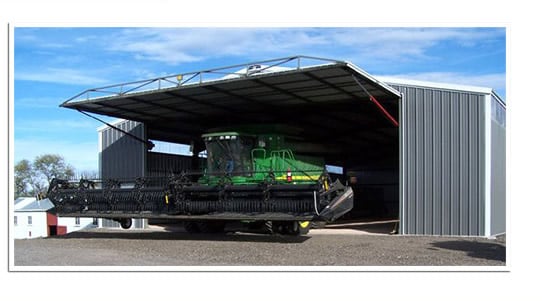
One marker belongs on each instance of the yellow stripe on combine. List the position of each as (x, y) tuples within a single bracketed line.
[(299, 178), (304, 224)]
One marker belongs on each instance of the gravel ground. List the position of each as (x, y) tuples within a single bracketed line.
[(346, 245)]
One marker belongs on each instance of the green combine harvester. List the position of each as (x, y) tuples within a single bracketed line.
[(254, 178)]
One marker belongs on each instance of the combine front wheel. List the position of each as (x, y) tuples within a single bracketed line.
[(126, 223)]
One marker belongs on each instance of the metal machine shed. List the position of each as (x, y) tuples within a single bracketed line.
[(328, 104), (453, 159), (444, 143)]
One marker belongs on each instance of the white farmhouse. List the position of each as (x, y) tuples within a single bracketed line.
[(33, 218)]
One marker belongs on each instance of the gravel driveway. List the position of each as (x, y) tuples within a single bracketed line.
[(339, 246)]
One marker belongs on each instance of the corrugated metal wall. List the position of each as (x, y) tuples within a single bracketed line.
[(163, 165), (122, 156), (442, 161), (498, 167)]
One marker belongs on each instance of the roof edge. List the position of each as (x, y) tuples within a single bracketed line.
[(374, 79), (440, 85)]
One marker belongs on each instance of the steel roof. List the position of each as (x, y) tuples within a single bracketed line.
[(328, 103)]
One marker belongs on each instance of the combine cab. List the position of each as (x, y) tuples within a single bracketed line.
[(256, 179)]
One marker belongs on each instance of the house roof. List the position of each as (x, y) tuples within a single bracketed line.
[(23, 201), (37, 206)]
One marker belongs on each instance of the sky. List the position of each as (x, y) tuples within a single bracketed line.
[(53, 64)]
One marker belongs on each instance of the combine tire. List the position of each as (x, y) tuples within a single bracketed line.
[(126, 223)]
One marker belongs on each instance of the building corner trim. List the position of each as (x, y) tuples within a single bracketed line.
[(487, 171)]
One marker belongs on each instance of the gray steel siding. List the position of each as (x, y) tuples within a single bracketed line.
[(122, 156), (498, 168), (163, 165), (442, 161)]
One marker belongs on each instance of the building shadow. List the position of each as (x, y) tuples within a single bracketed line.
[(476, 249), (178, 235)]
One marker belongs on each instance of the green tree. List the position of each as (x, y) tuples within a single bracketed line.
[(53, 166), (31, 179), (24, 175)]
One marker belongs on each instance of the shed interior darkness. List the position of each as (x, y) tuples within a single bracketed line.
[(323, 105)]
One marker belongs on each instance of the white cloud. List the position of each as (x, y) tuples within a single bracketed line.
[(419, 36), (32, 36), (381, 48), (27, 35), (178, 45), (376, 48), (55, 45), (61, 76), (85, 39)]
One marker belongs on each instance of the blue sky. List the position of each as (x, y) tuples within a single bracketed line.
[(54, 64)]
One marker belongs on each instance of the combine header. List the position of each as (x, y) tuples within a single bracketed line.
[(255, 178)]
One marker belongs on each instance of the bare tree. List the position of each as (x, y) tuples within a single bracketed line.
[(87, 174)]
